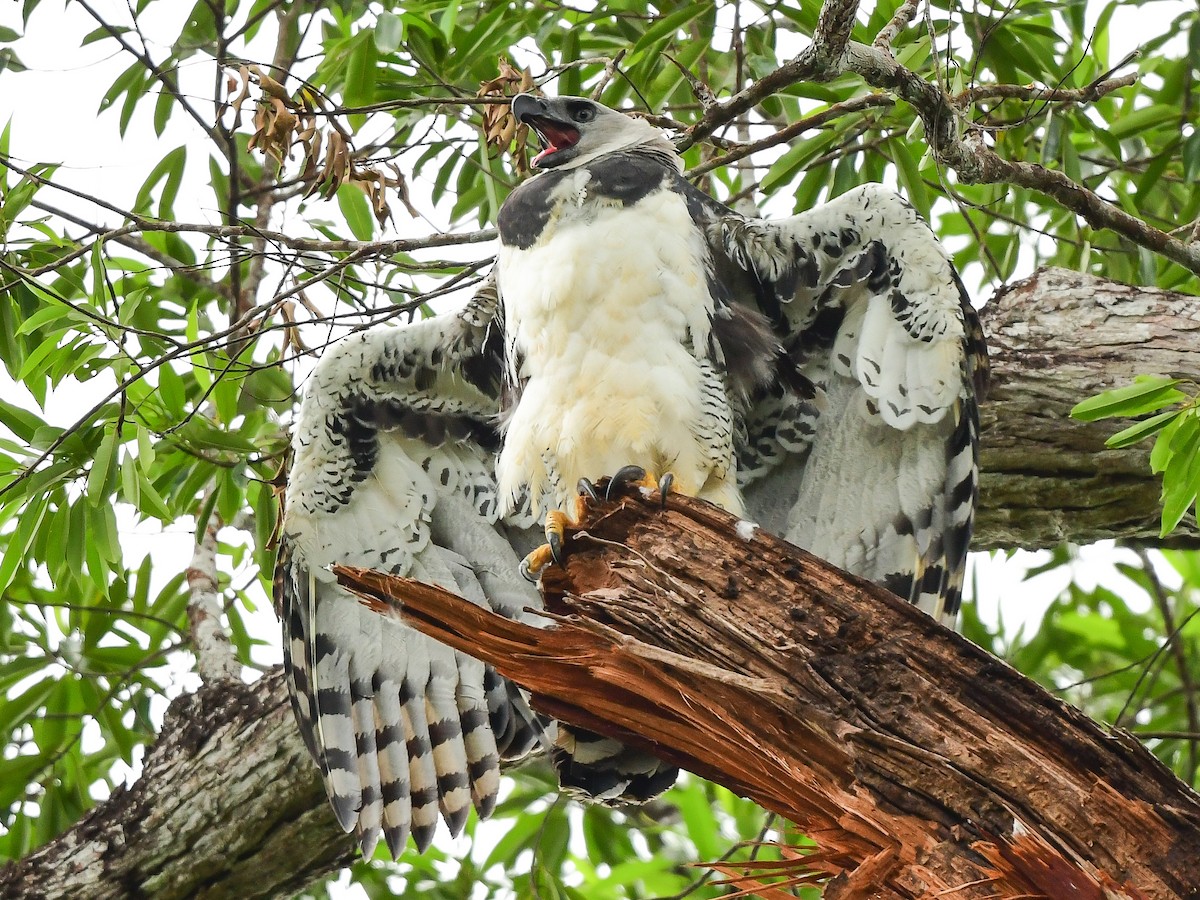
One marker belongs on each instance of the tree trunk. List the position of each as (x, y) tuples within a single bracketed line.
[(229, 804), (1057, 338), (919, 764)]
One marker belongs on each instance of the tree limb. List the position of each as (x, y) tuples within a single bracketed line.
[(976, 163), (919, 764), (1057, 338), (228, 805), (215, 659)]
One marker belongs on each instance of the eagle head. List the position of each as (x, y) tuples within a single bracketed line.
[(575, 130)]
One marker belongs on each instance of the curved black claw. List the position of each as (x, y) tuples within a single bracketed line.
[(585, 486), (532, 565), (664, 488), (622, 478), (555, 541)]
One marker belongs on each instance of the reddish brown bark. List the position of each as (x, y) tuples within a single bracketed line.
[(919, 763)]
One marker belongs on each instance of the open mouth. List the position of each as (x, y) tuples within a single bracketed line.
[(555, 136)]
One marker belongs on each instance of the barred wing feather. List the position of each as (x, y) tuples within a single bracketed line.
[(878, 472), (392, 470)]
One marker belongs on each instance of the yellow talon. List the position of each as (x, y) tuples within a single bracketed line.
[(532, 565), (557, 522), (636, 476)]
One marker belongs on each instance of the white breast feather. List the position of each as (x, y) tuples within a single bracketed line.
[(608, 312)]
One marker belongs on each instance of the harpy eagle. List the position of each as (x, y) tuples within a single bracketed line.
[(816, 374)]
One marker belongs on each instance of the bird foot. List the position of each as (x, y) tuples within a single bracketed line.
[(635, 476), (557, 521)]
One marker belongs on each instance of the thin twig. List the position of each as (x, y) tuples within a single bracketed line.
[(740, 151), (1162, 602), (160, 74), (901, 20), (1035, 93)]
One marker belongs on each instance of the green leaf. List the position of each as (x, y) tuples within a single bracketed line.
[(521, 834), (266, 510), (389, 32), (1162, 444), (15, 711), (1148, 393), (697, 813), (1144, 429), (1191, 157), (103, 471), (203, 370), (58, 314), (21, 538), (1138, 121), (172, 391), (666, 28), (170, 171), (150, 501), (162, 110), (205, 513), (129, 479), (1181, 477), (449, 20), (354, 206), (796, 158), (37, 361), (76, 537), (360, 73), (145, 448), (104, 536), (101, 295)]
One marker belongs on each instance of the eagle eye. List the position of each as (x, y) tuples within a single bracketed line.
[(582, 112)]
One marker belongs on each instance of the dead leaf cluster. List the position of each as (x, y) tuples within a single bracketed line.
[(500, 129), (283, 122)]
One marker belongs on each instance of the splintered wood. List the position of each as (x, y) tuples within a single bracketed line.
[(919, 764)]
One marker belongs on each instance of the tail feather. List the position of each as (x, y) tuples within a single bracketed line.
[(601, 770), (370, 812), (422, 775), (393, 766)]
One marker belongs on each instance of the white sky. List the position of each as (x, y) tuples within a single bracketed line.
[(53, 115)]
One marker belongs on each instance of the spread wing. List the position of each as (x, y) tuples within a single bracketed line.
[(392, 470), (875, 465)]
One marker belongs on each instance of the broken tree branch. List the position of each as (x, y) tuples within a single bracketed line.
[(919, 764)]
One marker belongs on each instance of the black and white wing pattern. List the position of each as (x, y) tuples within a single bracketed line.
[(393, 470), (875, 468)]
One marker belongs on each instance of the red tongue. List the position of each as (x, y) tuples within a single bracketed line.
[(556, 138)]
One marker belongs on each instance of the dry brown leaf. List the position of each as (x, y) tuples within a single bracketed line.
[(500, 128), (281, 123), (269, 85), (400, 184), (241, 96)]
